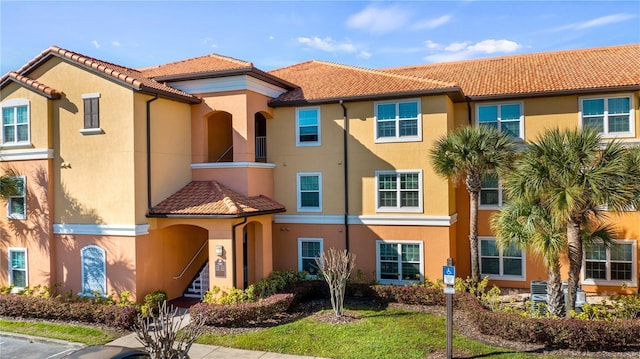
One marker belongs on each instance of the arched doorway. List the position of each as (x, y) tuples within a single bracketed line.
[(219, 137)]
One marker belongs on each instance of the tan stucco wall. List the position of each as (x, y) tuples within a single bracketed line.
[(39, 114)]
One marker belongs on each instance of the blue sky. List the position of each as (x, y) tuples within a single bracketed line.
[(373, 34)]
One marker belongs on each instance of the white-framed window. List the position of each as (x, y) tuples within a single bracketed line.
[(399, 191), (17, 204), (611, 265), (491, 191), (507, 263), (18, 275), (16, 122), (506, 117), (309, 192), (308, 250), (398, 121), (94, 271), (308, 126), (612, 115), (91, 106), (399, 262)]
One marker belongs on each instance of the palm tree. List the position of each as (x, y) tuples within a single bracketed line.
[(8, 185), (572, 174), (469, 154), (528, 226)]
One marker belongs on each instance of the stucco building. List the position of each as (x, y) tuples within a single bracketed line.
[(211, 172)]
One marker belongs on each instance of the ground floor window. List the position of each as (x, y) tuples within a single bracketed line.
[(94, 273), (18, 267), (399, 261), (308, 250), (615, 263), (506, 263)]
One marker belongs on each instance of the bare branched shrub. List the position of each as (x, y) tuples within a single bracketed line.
[(163, 334), (335, 266)]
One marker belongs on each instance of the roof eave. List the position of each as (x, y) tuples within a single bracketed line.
[(168, 95), (251, 71), (455, 93), (556, 93), (50, 96), (215, 216)]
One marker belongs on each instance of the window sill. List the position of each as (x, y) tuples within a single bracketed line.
[(17, 216), (612, 135), (398, 139), (308, 144), (310, 210), (92, 131), (504, 277), (486, 207), (399, 210), (14, 145), (612, 283)]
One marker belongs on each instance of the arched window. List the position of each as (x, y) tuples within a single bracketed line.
[(94, 272)]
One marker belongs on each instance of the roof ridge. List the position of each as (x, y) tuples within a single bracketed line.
[(390, 74), (226, 198), (534, 54), (223, 57)]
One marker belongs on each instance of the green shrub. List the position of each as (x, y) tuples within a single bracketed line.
[(152, 302), (241, 314)]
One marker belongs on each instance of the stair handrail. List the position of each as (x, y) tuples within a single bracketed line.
[(191, 261), (225, 153)]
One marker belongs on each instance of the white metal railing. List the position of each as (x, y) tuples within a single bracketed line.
[(191, 261), (261, 147)]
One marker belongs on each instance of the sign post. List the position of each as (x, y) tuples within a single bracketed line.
[(449, 279)]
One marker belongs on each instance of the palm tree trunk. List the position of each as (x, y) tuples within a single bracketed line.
[(555, 297), (473, 235), (574, 243)]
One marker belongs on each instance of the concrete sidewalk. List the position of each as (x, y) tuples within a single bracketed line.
[(201, 351)]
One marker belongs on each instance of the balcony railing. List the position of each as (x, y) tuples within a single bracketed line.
[(261, 148)]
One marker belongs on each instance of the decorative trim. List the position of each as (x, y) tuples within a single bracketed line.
[(27, 154), (102, 229), (220, 165), (437, 221), (229, 83)]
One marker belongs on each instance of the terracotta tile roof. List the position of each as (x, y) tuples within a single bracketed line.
[(326, 81), (210, 198), (130, 77), (203, 64), (41, 88), (564, 71)]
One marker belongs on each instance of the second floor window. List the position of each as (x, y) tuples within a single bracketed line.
[(91, 111), (491, 192), (399, 191), (505, 117), (15, 122), (612, 116), (17, 205), (398, 121), (308, 126), (309, 192)]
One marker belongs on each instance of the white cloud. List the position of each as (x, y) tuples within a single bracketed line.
[(605, 20), (457, 51), (115, 43), (271, 37), (364, 55), (599, 21), (432, 45), (379, 20), (432, 23), (95, 43), (327, 44)]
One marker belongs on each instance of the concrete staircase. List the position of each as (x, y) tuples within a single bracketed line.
[(199, 285)]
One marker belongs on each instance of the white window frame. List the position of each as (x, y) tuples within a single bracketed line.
[(11, 269), (500, 197), (605, 123), (400, 243), (499, 120), (299, 191), (302, 240), (90, 130), (87, 292), (398, 190), (634, 267), (23, 215), (501, 257), (397, 137), (308, 143), (15, 103)]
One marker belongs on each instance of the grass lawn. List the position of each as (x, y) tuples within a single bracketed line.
[(388, 333), (73, 333)]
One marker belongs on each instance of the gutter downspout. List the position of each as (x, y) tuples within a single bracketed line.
[(233, 249), (149, 151), (346, 175), (468, 108)]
